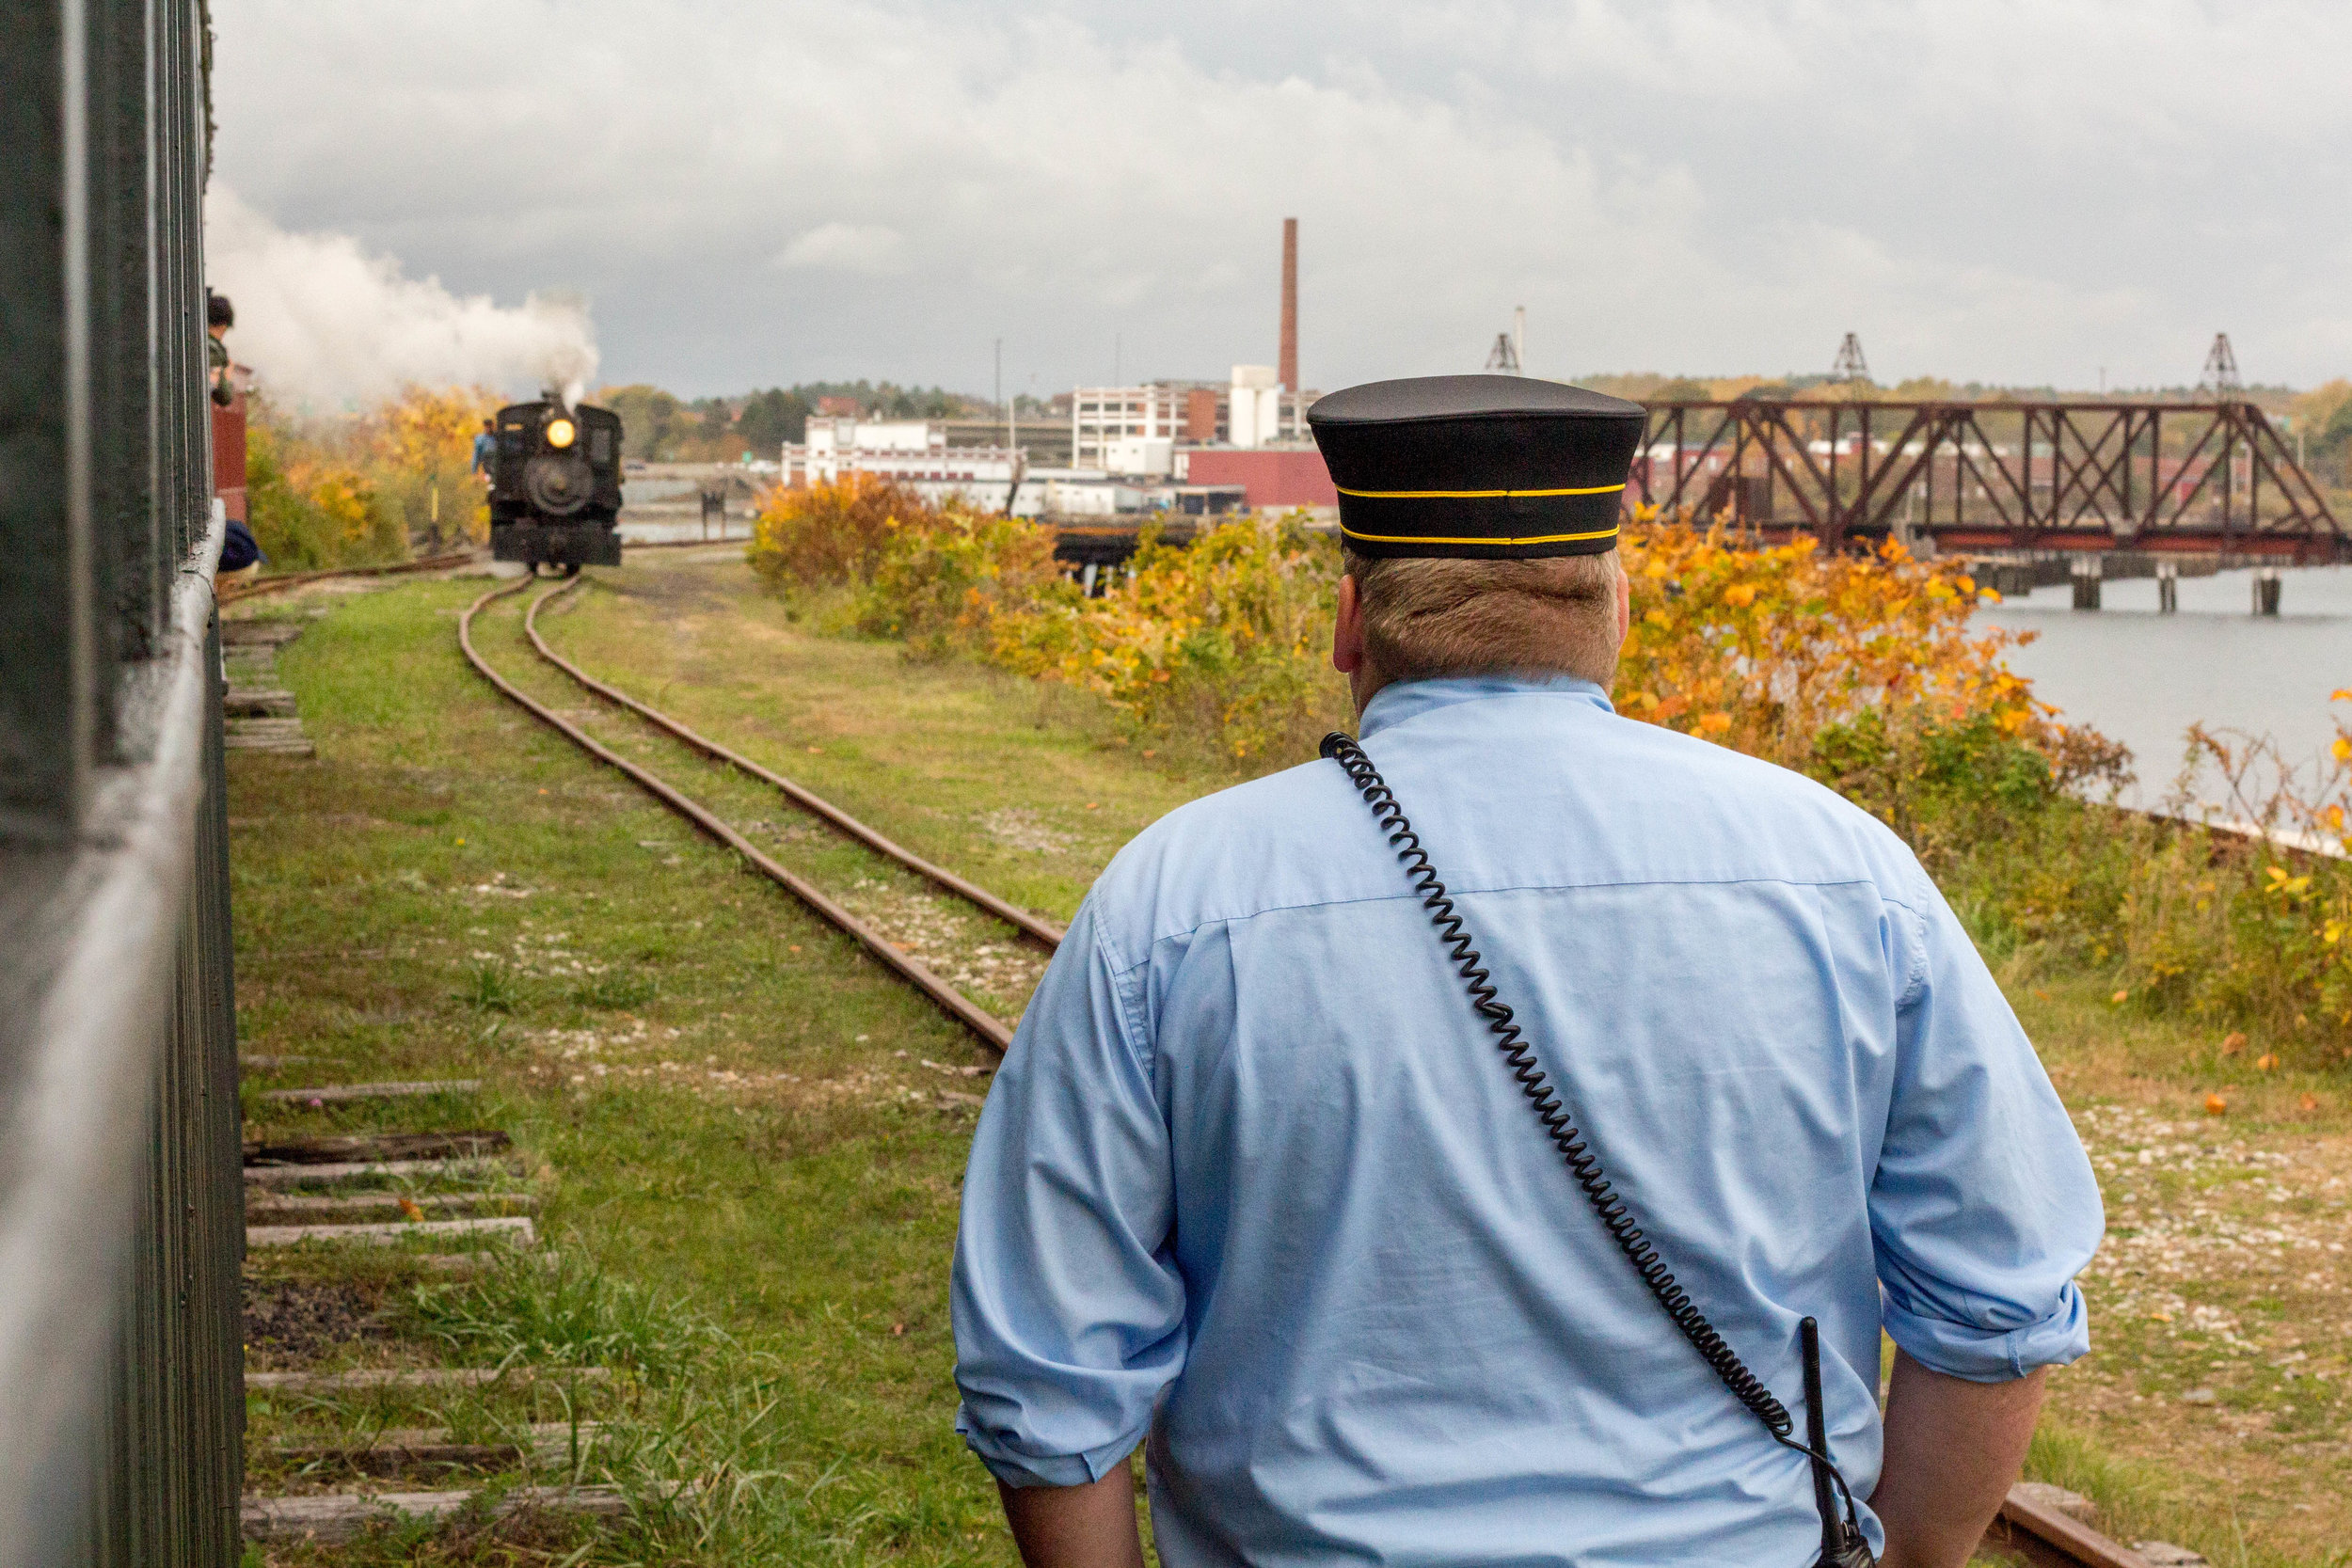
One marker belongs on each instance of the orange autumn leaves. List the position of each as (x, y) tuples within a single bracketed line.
[(1761, 648)]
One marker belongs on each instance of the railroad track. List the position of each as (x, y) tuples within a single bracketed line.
[(991, 1029), (234, 589)]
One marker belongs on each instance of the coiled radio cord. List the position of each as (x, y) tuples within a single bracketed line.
[(1841, 1539)]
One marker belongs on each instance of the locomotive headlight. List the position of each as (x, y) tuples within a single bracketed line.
[(560, 434)]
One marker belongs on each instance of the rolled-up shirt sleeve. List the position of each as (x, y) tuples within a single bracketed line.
[(1068, 1310), (1984, 1207)]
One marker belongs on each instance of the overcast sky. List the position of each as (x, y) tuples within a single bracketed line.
[(757, 193)]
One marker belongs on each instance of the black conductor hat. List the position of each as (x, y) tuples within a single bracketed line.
[(1493, 467)]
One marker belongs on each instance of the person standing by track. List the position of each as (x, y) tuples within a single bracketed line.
[(1256, 1188)]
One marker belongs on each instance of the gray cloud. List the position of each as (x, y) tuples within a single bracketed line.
[(761, 193)]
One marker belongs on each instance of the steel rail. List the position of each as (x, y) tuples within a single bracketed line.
[(989, 1028), (234, 589), (1045, 931)]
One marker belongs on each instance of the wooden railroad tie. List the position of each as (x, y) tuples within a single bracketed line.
[(341, 1516), (469, 1143), (336, 1094), (517, 1228), (283, 1208), (272, 1176), (398, 1450), (250, 633), (417, 1377), (2049, 1526)]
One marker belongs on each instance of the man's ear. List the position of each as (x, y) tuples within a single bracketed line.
[(1347, 631)]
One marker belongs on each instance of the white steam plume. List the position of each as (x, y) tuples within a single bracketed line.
[(328, 327)]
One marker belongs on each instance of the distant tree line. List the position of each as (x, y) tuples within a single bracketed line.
[(660, 427)]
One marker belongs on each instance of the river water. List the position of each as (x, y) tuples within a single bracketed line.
[(2143, 678)]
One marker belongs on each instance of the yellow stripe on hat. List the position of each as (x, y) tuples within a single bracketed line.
[(1457, 539), (1477, 495)]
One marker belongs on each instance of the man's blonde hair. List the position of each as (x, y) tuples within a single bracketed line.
[(1426, 618)]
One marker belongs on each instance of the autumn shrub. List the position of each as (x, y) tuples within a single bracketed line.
[(1217, 647), (310, 509), (2246, 920), (830, 534), (418, 450), (945, 577), (1764, 649)]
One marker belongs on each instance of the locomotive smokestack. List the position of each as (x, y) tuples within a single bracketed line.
[(1290, 305)]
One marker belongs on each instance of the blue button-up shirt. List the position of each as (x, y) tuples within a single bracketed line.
[(1253, 1177)]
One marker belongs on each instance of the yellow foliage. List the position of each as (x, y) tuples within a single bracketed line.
[(346, 491), (1222, 640), (424, 429), (831, 533), (1762, 648), (419, 448)]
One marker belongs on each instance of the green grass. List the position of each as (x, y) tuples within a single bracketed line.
[(748, 1172), (449, 890)]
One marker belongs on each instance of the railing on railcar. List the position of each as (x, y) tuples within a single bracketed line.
[(121, 1404)]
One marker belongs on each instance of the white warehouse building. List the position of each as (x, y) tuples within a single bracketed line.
[(1139, 430), (916, 453)]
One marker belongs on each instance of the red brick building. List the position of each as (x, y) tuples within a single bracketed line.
[(1274, 478)]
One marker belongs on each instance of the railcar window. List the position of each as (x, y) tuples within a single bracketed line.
[(600, 446)]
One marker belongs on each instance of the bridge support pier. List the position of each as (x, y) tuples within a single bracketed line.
[(2267, 586), (2086, 581), (2168, 587)]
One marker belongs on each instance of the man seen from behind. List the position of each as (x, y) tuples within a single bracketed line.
[(1257, 1190)]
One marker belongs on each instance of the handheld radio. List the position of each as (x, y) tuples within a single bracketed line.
[(1843, 1544)]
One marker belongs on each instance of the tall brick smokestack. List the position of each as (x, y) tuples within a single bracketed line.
[(1290, 305)]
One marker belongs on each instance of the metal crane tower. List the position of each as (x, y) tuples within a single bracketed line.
[(2221, 377), (1850, 365)]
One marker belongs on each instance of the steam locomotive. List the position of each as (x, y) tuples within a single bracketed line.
[(555, 486)]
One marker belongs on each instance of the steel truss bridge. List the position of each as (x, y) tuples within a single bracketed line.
[(2182, 478)]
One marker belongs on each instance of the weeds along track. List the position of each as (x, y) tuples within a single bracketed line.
[(989, 1028)]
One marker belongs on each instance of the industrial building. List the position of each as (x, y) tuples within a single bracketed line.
[(916, 453), (1189, 448)]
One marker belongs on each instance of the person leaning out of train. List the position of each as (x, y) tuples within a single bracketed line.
[(219, 316), (1257, 1188)]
